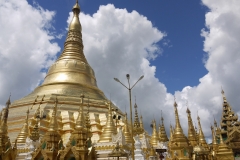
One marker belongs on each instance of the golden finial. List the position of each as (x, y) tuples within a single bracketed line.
[(136, 126), (162, 132), (175, 103), (109, 128), (80, 120), (215, 123), (126, 132), (201, 137), (53, 125), (8, 101), (22, 136), (178, 128), (154, 138), (191, 132), (152, 152), (6, 110), (222, 90), (162, 118)]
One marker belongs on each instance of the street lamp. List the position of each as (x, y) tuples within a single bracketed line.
[(130, 100)]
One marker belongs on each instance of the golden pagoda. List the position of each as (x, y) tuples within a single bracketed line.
[(162, 132), (154, 138), (214, 146), (67, 78), (24, 133), (126, 131), (191, 131), (224, 152), (7, 152), (230, 128), (179, 147), (228, 119), (137, 129), (201, 137), (110, 128)]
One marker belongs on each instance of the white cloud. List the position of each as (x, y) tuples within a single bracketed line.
[(25, 47)]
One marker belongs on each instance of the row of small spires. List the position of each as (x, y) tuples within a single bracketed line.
[(138, 125)]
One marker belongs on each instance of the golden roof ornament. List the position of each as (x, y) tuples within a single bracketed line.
[(126, 131), (88, 123), (80, 123), (6, 149), (109, 128), (154, 138), (152, 152), (53, 125), (34, 135), (171, 132), (141, 122), (178, 129), (162, 133), (201, 137), (136, 126), (223, 151), (214, 140), (4, 125), (24, 133), (191, 131), (224, 97), (118, 152)]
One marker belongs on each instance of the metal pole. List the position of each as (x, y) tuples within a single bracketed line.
[(130, 98)]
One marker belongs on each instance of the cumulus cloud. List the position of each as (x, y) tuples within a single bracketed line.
[(26, 47)]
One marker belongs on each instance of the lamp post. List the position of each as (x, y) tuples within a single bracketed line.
[(130, 100)]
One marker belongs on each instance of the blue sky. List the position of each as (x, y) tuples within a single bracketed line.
[(181, 63)]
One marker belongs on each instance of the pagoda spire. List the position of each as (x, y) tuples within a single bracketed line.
[(162, 133), (214, 140), (171, 132), (109, 128), (154, 138), (88, 122), (191, 131), (51, 143), (224, 151), (73, 48), (201, 137), (126, 132), (80, 123), (6, 149), (53, 125), (178, 128), (141, 122), (4, 125), (24, 133), (136, 126)]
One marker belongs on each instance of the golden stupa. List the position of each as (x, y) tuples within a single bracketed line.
[(67, 78)]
